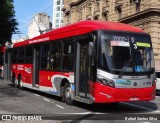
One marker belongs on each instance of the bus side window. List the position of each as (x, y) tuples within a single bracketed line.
[(68, 53), (14, 55), (28, 55), (56, 56), (45, 56), (21, 55)]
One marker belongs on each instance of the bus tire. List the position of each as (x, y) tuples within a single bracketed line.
[(15, 83), (20, 82), (13, 78), (67, 94)]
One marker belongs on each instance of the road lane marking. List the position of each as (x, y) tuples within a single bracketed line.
[(139, 106), (36, 95), (86, 113), (47, 100), (145, 122), (59, 106)]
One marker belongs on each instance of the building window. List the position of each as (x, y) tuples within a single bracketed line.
[(57, 21), (96, 18), (57, 26), (105, 15), (118, 8), (58, 14), (137, 7), (119, 13), (58, 8), (58, 2), (39, 19)]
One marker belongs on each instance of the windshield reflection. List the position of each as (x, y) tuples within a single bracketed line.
[(125, 53)]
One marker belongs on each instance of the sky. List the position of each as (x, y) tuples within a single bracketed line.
[(26, 9)]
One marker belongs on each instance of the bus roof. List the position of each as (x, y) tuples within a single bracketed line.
[(79, 28)]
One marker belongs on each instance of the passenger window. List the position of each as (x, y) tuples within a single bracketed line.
[(28, 56), (20, 55), (14, 55), (68, 55), (56, 56), (45, 56)]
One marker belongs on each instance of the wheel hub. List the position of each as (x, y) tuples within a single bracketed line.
[(68, 93)]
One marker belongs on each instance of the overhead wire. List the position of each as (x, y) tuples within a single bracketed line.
[(29, 20)]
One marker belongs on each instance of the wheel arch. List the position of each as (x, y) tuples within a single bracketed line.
[(63, 82)]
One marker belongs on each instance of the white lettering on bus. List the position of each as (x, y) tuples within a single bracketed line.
[(20, 67), (38, 40)]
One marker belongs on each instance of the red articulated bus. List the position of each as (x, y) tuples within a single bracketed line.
[(2, 50), (89, 61)]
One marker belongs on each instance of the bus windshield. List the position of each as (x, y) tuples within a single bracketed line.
[(126, 53)]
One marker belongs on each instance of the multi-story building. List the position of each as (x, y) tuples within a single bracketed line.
[(141, 13), (40, 24), (57, 13)]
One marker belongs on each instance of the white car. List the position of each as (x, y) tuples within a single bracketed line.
[(158, 82)]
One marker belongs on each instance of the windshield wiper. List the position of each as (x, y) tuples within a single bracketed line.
[(146, 71), (124, 69)]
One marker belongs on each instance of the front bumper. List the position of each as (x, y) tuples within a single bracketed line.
[(105, 94)]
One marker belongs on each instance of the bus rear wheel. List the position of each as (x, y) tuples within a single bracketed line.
[(20, 82), (14, 81), (67, 94)]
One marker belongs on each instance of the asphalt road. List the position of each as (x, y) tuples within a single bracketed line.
[(16, 101)]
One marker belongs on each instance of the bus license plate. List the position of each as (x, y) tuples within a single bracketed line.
[(133, 99)]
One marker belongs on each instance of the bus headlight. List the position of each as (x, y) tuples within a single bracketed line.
[(154, 82), (107, 82)]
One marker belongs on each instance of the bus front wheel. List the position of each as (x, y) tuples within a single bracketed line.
[(67, 94)]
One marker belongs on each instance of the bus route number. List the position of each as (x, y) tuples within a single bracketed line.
[(119, 38)]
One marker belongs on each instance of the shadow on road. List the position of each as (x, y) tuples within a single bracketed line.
[(38, 92), (9, 91), (120, 107), (131, 107)]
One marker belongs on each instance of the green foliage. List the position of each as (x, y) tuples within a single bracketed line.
[(8, 23)]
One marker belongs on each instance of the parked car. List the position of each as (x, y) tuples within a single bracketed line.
[(158, 82)]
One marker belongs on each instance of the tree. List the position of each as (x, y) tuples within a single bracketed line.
[(8, 23)]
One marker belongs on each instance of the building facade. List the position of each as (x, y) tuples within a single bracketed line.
[(57, 13), (141, 13), (40, 24)]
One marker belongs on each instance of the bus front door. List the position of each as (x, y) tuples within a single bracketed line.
[(36, 65), (83, 70)]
